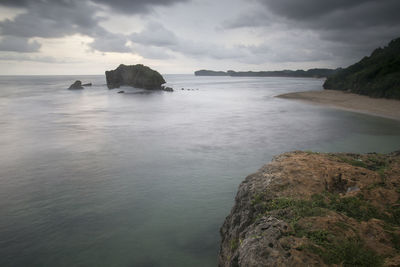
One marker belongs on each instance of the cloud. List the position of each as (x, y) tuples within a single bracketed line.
[(18, 44), (136, 6), (345, 29), (60, 18), (155, 34), (52, 19), (43, 59), (105, 41)]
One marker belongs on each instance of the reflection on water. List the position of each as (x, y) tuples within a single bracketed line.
[(97, 178)]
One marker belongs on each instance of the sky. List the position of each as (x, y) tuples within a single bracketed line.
[(55, 37)]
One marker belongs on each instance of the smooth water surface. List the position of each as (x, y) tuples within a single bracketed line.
[(96, 178)]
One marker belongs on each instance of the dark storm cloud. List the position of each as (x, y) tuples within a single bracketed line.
[(136, 6), (17, 44), (354, 27), (59, 18), (51, 19), (124, 6), (329, 14)]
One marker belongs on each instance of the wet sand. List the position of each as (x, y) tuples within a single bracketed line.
[(347, 101)]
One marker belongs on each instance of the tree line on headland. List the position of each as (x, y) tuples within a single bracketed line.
[(377, 75), (316, 73)]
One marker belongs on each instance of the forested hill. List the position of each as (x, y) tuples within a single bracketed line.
[(316, 73), (377, 75)]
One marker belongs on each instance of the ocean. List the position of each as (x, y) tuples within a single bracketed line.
[(96, 178)]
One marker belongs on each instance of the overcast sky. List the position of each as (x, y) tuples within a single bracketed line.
[(181, 36)]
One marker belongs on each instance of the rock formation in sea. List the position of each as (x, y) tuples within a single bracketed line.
[(76, 85), (138, 76), (311, 209)]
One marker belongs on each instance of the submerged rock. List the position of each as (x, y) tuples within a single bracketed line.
[(76, 85), (138, 76), (312, 209), (121, 92)]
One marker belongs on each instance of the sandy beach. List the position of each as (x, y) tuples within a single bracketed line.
[(347, 101)]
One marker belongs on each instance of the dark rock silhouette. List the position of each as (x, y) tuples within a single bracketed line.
[(167, 89), (87, 84), (138, 76), (76, 85)]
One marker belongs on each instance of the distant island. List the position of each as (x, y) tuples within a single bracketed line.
[(376, 76), (312, 73)]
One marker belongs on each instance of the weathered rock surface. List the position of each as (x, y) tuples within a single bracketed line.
[(138, 76), (311, 209), (76, 85)]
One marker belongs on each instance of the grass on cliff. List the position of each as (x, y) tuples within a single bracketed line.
[(332, 249), (373, 162), (355, 206), (347, 252)]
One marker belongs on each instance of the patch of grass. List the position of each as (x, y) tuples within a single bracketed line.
[(395, 238), (234, 244), (350, 252), (291, 210), (355, 207), (297, 208), (309, 152), (353, 162), (257, 199), (343, 225)]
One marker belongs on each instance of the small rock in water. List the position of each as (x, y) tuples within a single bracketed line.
[(76, 85), (121, 92), (167, 89)]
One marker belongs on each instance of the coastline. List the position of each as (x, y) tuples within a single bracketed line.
[(381, 107)]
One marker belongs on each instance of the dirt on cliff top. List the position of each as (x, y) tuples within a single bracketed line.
[(312, 209)]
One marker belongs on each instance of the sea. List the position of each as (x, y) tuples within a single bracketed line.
[(94, 177)]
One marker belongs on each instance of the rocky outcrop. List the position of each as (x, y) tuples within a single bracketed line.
[(76, 85), (311, 209), (138, 76), (167, 89)]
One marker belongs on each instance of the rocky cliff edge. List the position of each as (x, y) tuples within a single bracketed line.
[(311, 209)]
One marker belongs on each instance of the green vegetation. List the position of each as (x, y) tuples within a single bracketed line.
[(315, 73), (332, 248), (234, 244), (291, 210), (377, 75), (349, 252)]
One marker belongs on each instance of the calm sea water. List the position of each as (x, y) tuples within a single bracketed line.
[(96, 178)]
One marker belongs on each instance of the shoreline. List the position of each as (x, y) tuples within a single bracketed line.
[(387, 108)]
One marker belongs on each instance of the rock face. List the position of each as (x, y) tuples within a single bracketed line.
[(311, 209), (138, 76), (76, 85)]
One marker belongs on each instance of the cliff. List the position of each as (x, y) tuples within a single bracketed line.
[(311, 73), (377, 75), (311, 209), (138, 76)]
